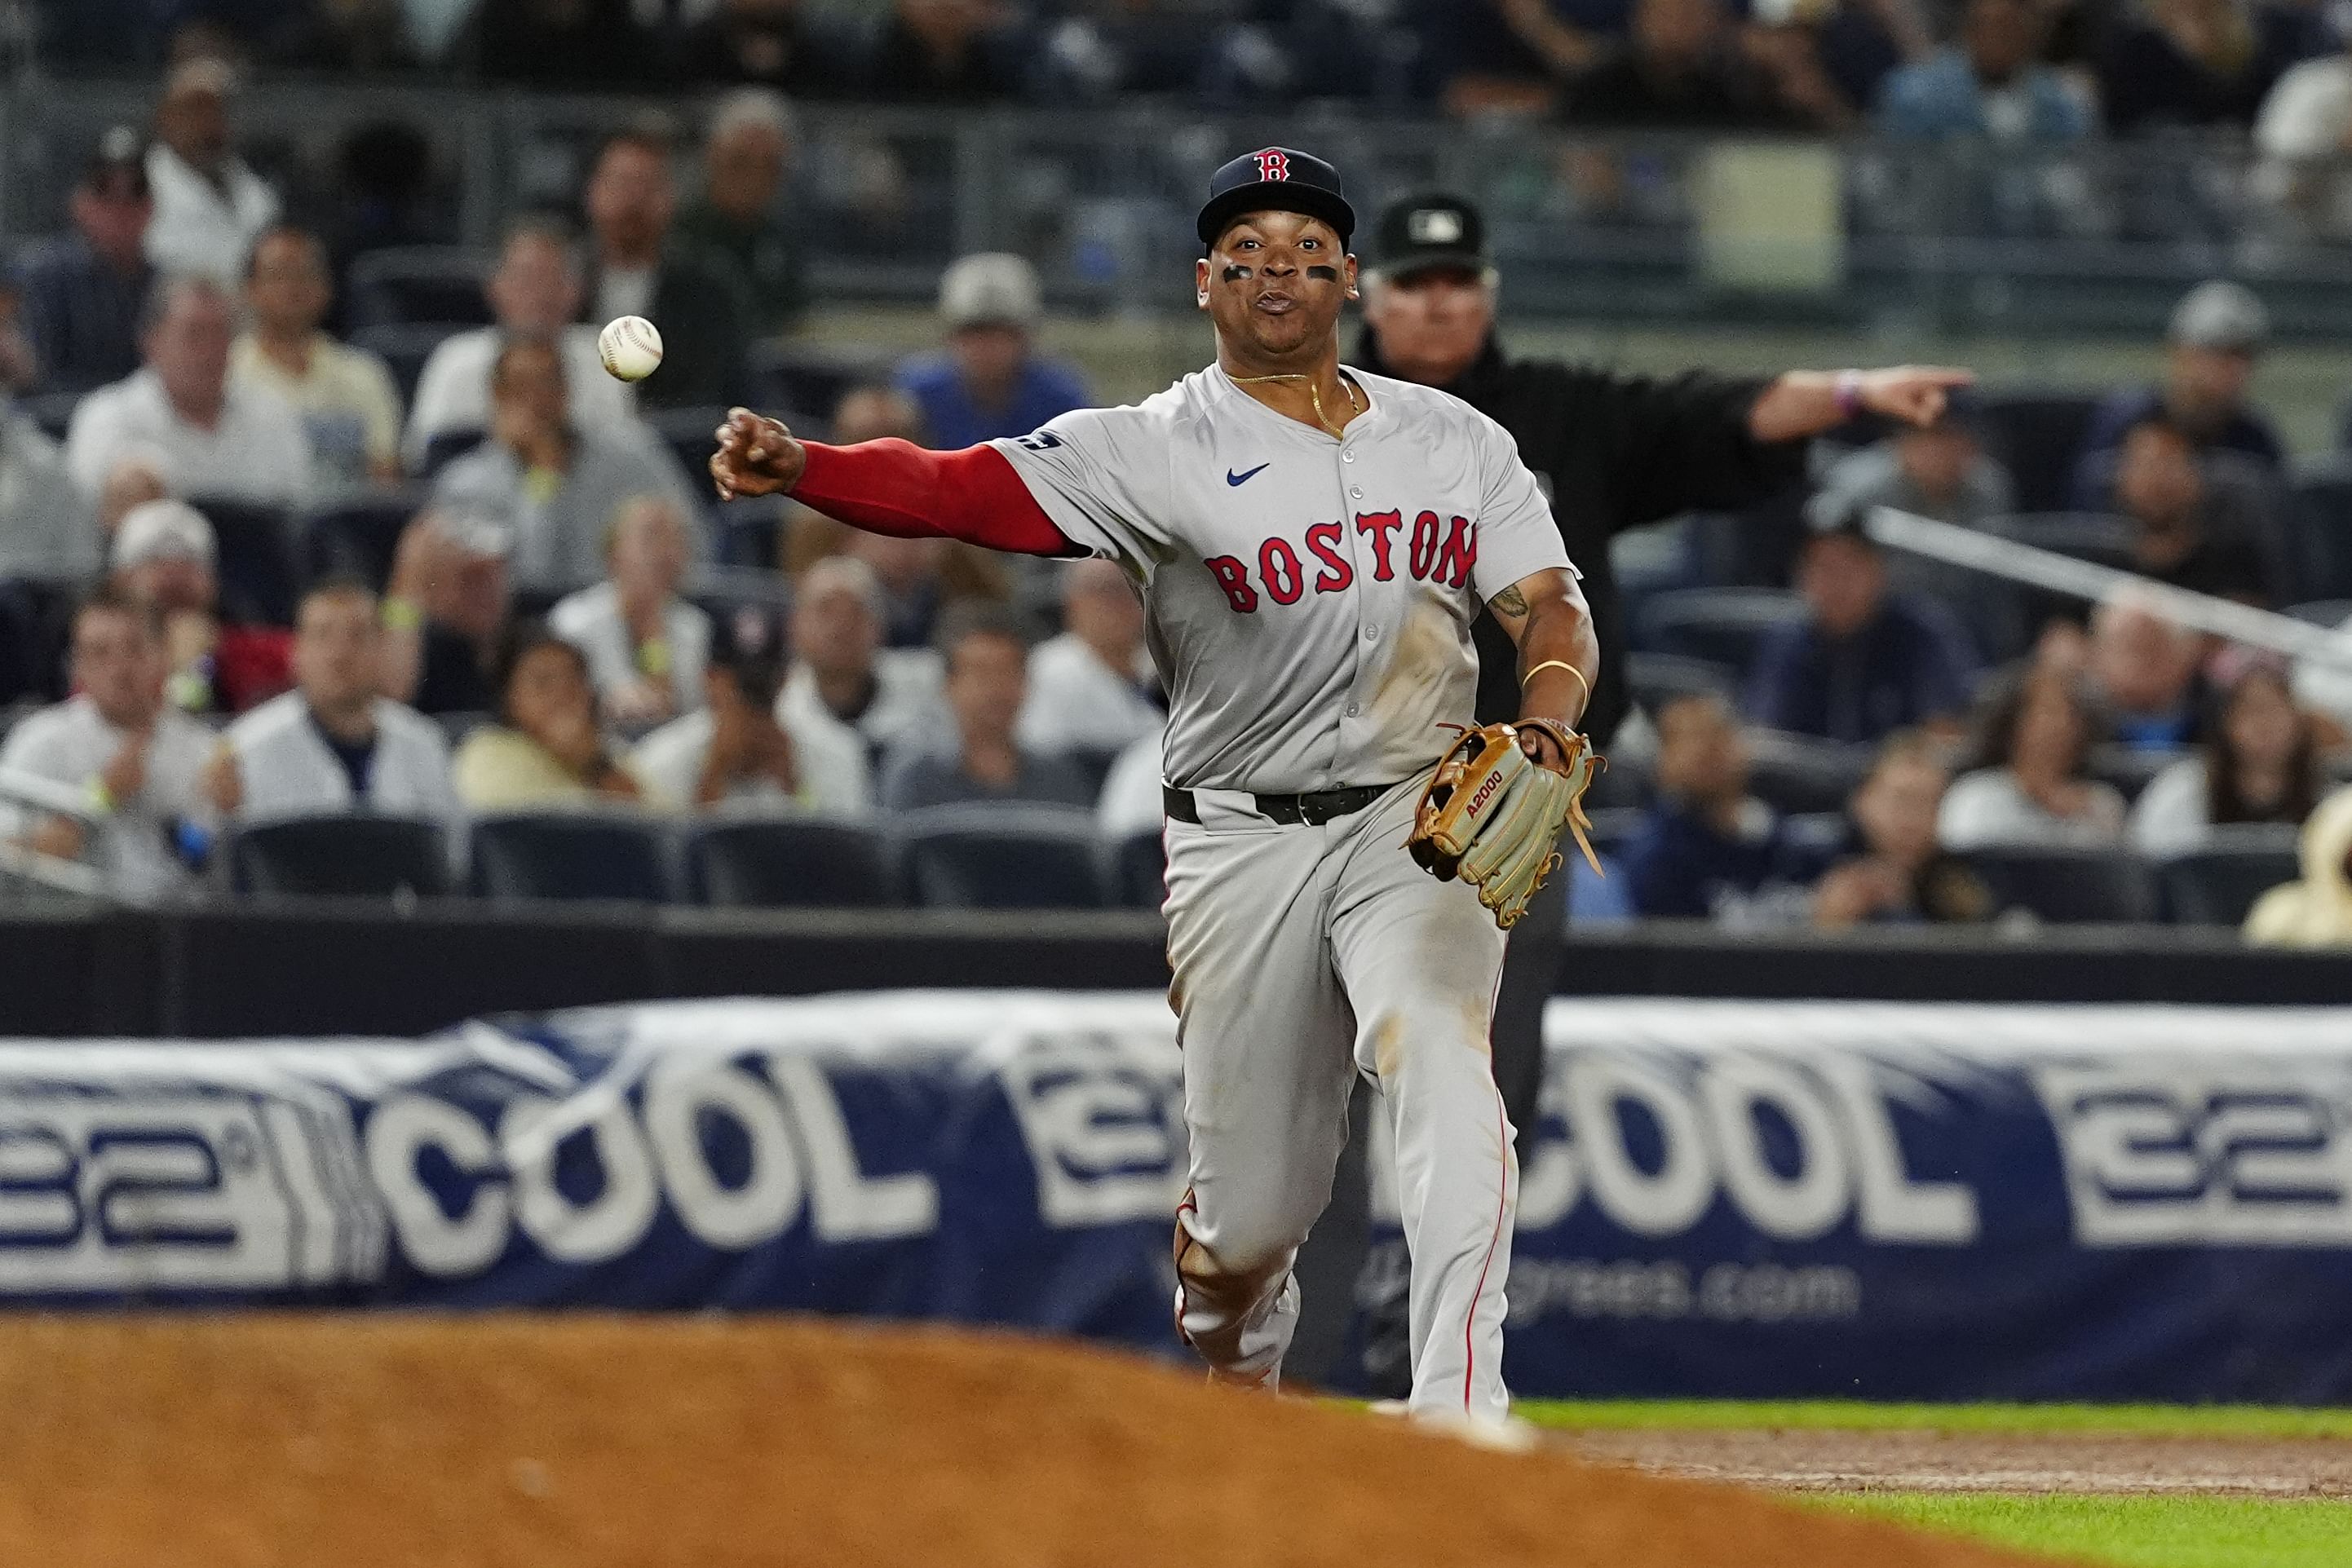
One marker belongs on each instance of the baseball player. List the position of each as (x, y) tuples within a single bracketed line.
[(1312, 546)]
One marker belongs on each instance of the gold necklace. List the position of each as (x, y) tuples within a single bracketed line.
[(1355, 404)]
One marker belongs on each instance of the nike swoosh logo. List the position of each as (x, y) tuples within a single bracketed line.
[(1233, 478)]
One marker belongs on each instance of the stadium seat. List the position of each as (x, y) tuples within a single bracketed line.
[(2318, 515), (2218, 884), (405, 347), (773, 862), (2130, 771), (1613, 827), (34, 618), (750, 533), (1657, 679), (1721, 626), (569, 855), (256, 560), (52, 412), (811, 377), (2069, 885), (357, 534), (427, 284), (689, 433), (358, 856), (1008, 855), (446, 447), (1139, 870), (2083, 536), (1818, 834), (1802, 773), (2039, 434), (2329, 614), (456, 726)]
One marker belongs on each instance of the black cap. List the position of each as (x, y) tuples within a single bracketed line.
[(1421, 233), (1275, 180)]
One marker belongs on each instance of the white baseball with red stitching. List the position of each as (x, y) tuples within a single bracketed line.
[(630, 348)]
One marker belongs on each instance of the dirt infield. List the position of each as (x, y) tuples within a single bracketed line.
[(580, 1443), (1835, 1461)]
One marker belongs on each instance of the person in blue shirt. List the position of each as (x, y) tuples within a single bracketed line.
[(991, 381), (79, 294), (1708, 849), (1863, 662), (1988, 84)]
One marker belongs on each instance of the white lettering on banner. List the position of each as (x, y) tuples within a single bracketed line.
[(1893, 1206), (800, 1157), (2186, 1154), (1847, 1159), (1632, 1289), (679, 1092), (1667, 1203), (137, 1191), (1790, 1208), (1102, 1115), (441, 1244), (849, 1205), (532, 1131)]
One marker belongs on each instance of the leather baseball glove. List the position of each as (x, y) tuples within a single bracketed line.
[(1491, 813)]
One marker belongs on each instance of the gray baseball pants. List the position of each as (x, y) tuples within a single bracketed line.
[(1302, 956)]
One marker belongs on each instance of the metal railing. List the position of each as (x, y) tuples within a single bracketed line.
[(2100, 237)]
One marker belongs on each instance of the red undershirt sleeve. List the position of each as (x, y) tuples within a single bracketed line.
[(896, 487)]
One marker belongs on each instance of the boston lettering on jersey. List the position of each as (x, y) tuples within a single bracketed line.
[(1439, 549)]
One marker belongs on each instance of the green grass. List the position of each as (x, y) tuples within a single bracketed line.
[(2179, 1420), (2133, 1531)]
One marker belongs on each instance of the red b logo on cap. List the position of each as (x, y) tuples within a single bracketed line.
[(1274, 164)]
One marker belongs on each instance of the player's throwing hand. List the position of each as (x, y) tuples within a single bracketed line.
[(756, 457)]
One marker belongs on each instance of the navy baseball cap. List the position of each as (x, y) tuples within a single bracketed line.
[(1275, 180), (1422, 234)]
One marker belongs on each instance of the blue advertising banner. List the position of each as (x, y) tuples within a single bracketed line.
[(1938, 1202), (1725, 1199)]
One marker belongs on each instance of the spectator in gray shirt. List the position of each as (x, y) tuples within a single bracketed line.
[(48, 526), (987, 678), (553, 483)]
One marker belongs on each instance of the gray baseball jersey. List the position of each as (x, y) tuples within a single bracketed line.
[(1309, 599)]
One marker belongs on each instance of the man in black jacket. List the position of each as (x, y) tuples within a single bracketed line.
[(1614, 452), (637, 268)]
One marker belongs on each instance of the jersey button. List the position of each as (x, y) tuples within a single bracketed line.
[(1353, 710), (1346, 457), (1358, 493), (1371, 633)]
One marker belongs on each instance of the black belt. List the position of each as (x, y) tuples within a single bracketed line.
[(1314, 809)]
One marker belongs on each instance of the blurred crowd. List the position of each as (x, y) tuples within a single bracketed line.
[(258, 563), (2008, 70)]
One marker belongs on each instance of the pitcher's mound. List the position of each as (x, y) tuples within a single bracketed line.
[(376, 1442)]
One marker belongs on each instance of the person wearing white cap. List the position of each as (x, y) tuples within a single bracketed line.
[(137, 760), (209, 207), (163, 560), (989, 382), (2217, 331)]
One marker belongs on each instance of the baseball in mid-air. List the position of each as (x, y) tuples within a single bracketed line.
[(630, 348)]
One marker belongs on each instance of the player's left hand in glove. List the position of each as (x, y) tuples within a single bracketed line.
[(1491, 813)]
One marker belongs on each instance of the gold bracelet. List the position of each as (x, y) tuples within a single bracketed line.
[(1559, 665)]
